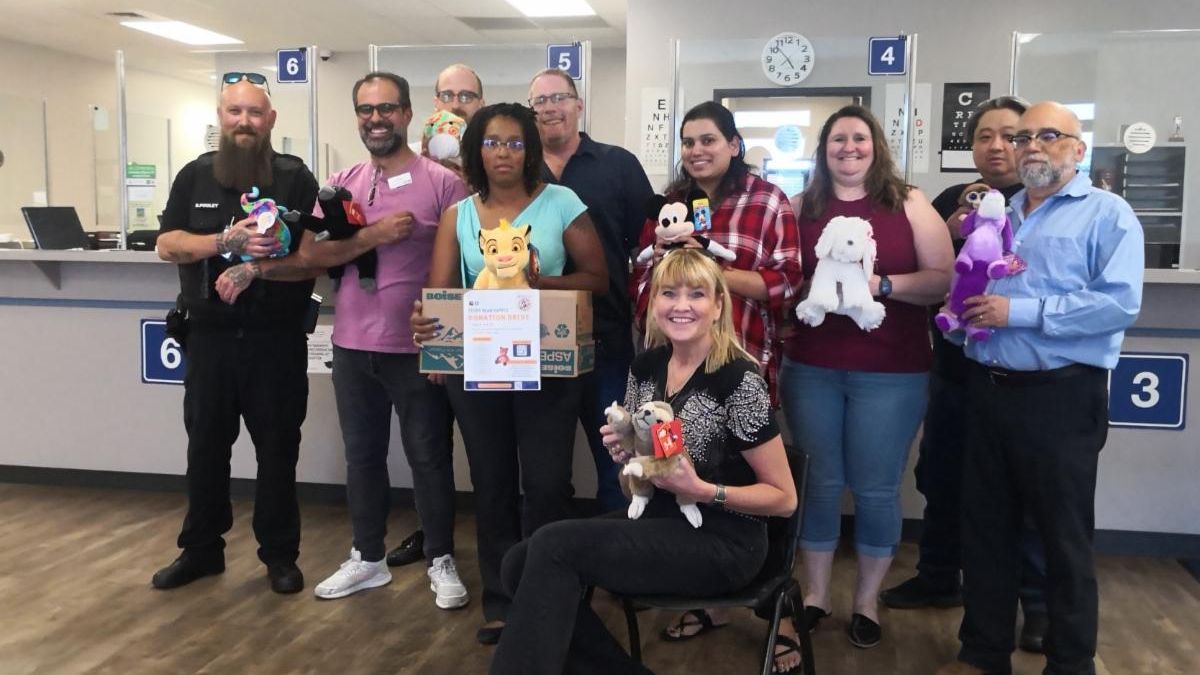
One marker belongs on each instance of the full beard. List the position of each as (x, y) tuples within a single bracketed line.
[(382, 146), (1040, 175), (243, 167)]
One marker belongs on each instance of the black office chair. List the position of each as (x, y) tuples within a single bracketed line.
[(768, 594)]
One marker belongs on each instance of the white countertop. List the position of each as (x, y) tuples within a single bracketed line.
[(111, 255)]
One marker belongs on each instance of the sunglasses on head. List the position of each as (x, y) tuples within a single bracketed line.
[(256, 79)]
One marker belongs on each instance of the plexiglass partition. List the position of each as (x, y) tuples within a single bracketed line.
[(505, 71), (780, 124), (22, 163), (1135, 98)]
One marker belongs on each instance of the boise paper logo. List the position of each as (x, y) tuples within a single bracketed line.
[(443, 295)]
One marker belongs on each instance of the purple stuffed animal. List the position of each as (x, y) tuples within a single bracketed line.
[(989, 238)]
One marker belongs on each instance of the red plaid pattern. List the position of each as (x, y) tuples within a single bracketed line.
[(757, 224)]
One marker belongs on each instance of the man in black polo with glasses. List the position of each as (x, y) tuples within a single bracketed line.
[(401, 196), (1037, 398), (613, 185), (245, 335)]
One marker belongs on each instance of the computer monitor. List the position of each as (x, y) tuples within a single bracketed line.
[(55, 227)]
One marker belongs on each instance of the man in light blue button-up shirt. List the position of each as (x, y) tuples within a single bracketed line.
[(1037, 398)]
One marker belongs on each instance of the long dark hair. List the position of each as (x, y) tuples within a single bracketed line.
[(720, 116), (884, 187), (472, 146)]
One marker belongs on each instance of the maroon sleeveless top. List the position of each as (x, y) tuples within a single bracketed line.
[(901, 344)]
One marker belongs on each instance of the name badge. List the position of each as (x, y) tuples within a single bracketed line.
[(400, 181), (207, 205)]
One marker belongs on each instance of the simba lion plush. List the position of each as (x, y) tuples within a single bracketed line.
[(635, 432), (505, 257)]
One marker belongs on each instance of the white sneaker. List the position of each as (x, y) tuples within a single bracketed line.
[(353, 576), (444, 582)]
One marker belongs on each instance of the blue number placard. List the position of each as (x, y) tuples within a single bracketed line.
[(162, 356), (567, 58), (886, 56), (292, 65), (1148, 391)]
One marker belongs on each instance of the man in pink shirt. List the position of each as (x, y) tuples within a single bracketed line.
[(401, 196)]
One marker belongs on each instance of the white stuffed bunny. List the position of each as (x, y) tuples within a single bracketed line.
[(845, 261)]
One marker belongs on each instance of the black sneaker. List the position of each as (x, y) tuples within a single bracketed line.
[(185, 570), (1033, 633), (285, 578), (917, 593), (409, 551)]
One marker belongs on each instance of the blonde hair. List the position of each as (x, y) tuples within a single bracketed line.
[(690, 267)]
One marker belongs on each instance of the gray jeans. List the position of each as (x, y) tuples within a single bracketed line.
[(368, 385)]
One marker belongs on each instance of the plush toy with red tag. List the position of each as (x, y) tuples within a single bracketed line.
[(656, 439)]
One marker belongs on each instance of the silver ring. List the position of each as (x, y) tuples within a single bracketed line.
[(415, 340)]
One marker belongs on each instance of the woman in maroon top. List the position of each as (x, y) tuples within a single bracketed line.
[(854, 399)]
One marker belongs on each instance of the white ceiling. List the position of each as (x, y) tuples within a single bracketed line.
[(83, 27)]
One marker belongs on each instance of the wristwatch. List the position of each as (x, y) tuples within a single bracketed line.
[(885, 286), (719, 499)]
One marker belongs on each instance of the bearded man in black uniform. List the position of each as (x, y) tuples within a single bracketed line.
[(245, 336)]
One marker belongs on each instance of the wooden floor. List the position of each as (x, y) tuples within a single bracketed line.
[(75, 597)]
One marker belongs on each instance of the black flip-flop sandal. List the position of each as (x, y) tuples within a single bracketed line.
[(793, 647), (703, 620)]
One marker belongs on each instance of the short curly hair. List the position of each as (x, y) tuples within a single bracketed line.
[(472, 146)]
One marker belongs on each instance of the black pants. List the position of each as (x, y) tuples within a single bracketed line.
[(551, 630), (514, 441), (260, 377), (368, 386), (1031, 447), (939, 478)]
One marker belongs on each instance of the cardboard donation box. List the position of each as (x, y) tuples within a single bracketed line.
[(568, 349)]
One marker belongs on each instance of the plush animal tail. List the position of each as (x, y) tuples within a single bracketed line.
[(248, 197)]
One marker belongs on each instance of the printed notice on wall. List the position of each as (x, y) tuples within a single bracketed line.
[(655, 131), (895, 121), (922, 104), (958, 105), (320, 351)]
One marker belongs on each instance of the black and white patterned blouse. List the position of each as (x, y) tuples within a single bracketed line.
[(722, 414)]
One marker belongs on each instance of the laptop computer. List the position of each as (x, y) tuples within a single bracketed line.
[(55, 227)]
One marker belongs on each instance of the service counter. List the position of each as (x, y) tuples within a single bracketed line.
[(73, 395)]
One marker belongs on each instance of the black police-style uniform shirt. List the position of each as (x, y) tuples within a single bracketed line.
[(614, 187), (949, 361), (200, 205)]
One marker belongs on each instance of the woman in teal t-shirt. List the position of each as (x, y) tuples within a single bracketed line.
[(516, 441)]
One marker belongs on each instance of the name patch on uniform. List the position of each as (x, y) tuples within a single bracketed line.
[(207, 205)]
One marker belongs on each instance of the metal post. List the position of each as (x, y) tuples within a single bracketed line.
[(46, 151), (910, 46), (313, 153), (586, 49), (676, 113), (373, 58), (1012, 66), (122, 152)]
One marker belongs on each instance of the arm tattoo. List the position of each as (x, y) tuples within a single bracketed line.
[(232, 241), (241, 275)]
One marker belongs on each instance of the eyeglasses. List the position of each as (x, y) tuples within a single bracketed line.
[(463, 96), (1044, 137), (366, 110), (256, 79), (515, 145), (541, 101)]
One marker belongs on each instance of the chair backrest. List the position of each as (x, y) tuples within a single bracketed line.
[(783, 533)]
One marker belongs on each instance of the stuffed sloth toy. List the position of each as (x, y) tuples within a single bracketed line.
[(637, 432), (989, 238), (341, 220), (675, 222), (841, 283)]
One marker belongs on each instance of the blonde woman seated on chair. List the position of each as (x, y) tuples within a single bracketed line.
[(738, 473)]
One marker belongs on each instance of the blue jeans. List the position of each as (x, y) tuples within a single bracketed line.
[(368, 385), (857, 428), (600, 388)]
